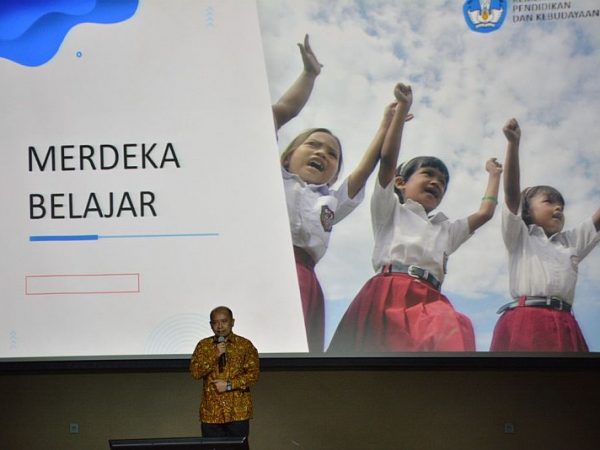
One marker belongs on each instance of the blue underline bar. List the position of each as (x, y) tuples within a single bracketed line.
[(65, 237), (95, 237)]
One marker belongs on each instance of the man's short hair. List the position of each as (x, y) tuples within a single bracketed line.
[(221, 309)]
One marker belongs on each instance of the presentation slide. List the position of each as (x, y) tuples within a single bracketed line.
[(140, 181), (141, 176)]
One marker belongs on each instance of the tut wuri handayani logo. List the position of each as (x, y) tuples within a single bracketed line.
[(485, 16)]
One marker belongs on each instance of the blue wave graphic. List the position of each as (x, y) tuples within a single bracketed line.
[(32, 31), (17, 16)]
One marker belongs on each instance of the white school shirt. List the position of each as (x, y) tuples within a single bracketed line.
[(542, 266), (314, 209), (405, 234)]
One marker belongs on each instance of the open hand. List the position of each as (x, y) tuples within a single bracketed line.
[(311, 64)]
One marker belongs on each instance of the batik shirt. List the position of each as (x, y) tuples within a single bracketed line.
[(241, 369)]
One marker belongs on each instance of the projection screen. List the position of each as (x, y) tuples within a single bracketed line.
[(141, 178)]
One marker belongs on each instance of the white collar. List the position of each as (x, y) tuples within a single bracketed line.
[(320, 188), (536, 230), (418, 209)]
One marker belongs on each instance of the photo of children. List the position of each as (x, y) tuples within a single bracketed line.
[(310, 164), (543, 262), (401, 308), (463, 86)]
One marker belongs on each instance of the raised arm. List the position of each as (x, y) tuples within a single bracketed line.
[(512, 177), (393, 137), (294, 99), (490, 198), (359, 176)]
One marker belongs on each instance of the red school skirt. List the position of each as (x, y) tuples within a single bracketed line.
[(537, 329), (395, 312), (313, 303)]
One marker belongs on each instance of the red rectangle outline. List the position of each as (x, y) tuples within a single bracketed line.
[(137, 291)]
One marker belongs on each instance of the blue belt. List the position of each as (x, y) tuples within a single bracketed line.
[(413, 271), (534, 300)]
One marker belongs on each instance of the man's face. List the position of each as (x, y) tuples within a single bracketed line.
[(221, 323)]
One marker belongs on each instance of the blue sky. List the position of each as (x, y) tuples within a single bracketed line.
[(466, 86)]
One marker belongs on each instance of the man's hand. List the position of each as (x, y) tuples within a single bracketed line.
[(220, 385), (221, 347)]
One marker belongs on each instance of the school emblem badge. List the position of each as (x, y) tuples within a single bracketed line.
[(484, 16), (327, 216)]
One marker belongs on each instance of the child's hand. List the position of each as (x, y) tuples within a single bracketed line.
[(311, 64), (388, 114), (512, 131), (493, 167), (403, 93)]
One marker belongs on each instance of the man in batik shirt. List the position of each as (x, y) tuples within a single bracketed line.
[(228, 365)]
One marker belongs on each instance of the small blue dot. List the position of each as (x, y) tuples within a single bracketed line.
[(79, 54)]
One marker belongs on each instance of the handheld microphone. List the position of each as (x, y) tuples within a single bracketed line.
[(222, 356)]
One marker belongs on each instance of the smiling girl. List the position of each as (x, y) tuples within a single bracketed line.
[(401, 309), (311, 164)]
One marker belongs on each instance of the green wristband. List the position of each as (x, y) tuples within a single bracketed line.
[(492, 198)]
